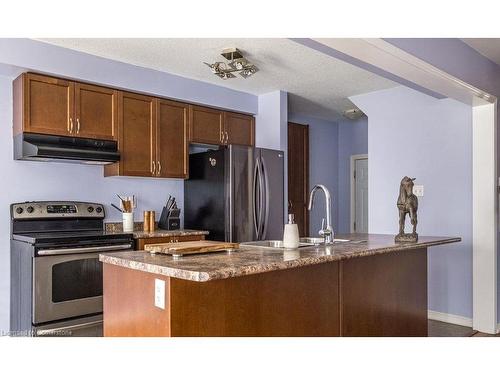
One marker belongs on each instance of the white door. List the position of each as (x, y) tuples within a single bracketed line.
[(361, 195)]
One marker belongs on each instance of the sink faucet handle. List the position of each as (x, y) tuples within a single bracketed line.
[(325, 231)]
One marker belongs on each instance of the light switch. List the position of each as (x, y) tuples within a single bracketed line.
[(418, 190), (160, 293)]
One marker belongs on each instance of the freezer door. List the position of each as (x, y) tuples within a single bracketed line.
[(272, 169), (204, 194), (240, 207)]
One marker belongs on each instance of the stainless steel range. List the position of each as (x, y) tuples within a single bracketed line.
[(56, 276)]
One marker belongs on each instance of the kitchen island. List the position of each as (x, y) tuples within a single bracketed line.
[(369, 286)]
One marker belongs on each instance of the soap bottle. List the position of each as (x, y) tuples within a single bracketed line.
[(291, 234)]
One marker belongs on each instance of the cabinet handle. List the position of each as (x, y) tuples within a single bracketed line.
[(70, 125), (159, 168), (227, 138), (154, 168), (221, 136), (77, 126)]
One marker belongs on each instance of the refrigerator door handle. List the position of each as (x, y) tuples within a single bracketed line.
[(256, 211), (260, 224), (265, 200), (261, 199)]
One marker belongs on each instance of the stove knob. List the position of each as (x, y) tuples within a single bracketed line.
[(30, 209), (90, 209), (98, 210), (19, 210)]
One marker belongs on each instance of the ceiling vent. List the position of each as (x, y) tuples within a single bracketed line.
[(353, 114)]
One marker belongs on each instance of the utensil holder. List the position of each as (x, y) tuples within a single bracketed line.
[(128, 221)]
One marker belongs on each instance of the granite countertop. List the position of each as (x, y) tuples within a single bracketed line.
[(247, 261), (140, 233)]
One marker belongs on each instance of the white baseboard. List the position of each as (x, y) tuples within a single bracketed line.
[(450, 318)]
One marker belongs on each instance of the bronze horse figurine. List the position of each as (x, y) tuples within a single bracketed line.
[(407, 204)]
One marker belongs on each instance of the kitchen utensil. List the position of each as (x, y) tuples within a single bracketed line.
[(115, 206), (177, 249), (170, 216)]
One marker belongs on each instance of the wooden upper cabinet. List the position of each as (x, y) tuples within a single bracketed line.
[(216, 127), (43, 105), (240, 129), (137, 136), (172, 139), (48, 105), (206, 125), (95, 112)]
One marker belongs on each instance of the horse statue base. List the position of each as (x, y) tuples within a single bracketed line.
[(406, 237)]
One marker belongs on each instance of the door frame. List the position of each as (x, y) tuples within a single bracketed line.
[(307, 188), (353, 188)]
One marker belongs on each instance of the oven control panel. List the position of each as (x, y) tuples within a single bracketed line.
[(47, 210)]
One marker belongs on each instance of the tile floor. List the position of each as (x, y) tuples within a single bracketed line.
[(441, 329)]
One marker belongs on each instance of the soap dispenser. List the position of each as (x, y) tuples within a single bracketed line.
[(291, 234)]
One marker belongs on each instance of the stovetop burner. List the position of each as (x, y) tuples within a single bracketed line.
[(61, 223), (70, 237)]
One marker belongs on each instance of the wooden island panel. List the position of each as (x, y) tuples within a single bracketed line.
[(297, 302), (385, 295), (128, 305)]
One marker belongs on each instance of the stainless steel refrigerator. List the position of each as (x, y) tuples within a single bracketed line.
[(236, 193)]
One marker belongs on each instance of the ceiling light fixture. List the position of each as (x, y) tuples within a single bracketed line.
[(237, 64), (353, 114)]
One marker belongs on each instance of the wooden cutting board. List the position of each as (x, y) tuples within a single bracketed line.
[(190, 247)]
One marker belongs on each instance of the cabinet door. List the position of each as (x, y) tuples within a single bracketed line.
[(95, 111), (240, 129), (137, 139), (171, 139), (205, 125), (48, 105)]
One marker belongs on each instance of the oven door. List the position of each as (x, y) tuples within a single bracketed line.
[(68, 284)]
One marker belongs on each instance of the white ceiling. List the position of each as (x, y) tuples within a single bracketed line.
[(488, 47), (318, 85)]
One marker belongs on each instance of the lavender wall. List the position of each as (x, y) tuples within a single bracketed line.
[(413, 134), (271, 130), (323, 165), (353, 140), (460, 60)]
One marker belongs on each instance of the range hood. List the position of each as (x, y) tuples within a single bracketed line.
[(41, 147)]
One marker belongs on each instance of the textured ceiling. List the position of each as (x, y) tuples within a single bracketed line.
[(318, 85), (488, 47)]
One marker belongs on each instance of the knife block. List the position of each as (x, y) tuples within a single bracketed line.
[(169, 219)]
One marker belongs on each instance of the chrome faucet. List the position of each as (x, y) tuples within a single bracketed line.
[(325, 232)]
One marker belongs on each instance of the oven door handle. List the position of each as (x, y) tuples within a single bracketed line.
[(79, 250)]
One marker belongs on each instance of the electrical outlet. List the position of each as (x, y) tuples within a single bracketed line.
[(418, 190), (160, 293)]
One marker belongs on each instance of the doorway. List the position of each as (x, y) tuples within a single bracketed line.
[(359, 193), (298, 175)]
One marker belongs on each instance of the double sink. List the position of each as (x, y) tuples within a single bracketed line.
[(303, 242)]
